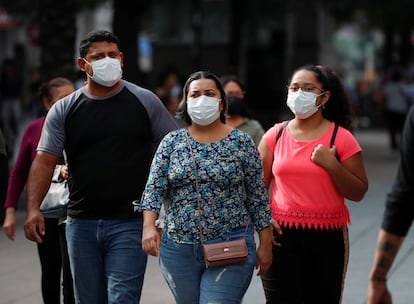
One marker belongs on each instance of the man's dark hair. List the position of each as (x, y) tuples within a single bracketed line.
[(96, 36)]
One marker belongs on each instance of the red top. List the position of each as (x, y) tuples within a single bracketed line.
[(27, 153), (303, 193)]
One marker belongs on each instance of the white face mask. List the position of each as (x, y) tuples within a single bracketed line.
[(302, 104), (106, 72), (203, 110)]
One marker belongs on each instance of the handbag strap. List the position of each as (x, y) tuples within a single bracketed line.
[(197, 187), (198, 191), (65, 157)]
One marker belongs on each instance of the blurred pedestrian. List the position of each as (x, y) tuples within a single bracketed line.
[(238, 114), (209, 177), (52, 250), (169, 90), (396, 105), (168, 84), (397, 219), (109, 129), (35, 108), (310, 180), (11, 104)]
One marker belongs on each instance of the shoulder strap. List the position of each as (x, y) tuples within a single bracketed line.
[(281, 130), (335, 130), (332, 142)]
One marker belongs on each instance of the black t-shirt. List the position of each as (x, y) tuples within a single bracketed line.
[(399, 211), (109, 144)]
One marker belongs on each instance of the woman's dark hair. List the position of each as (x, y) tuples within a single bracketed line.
[(243, 110), (225, 79), (45, 89), (337, 109), (182, 112), (96, 36)]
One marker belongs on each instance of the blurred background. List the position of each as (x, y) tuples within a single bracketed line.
[(260, 41)]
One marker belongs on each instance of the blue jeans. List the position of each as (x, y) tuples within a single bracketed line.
[(106, 259), (184, 269)]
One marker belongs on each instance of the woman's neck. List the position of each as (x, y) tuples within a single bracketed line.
[(207, 134), (235, 120)]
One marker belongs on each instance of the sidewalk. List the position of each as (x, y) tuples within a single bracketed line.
[(20, 270)]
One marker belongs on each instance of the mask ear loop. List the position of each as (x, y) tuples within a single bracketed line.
[(322, 105), (84, 59)]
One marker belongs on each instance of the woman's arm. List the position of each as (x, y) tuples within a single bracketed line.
[(349, 176), (266, 156)]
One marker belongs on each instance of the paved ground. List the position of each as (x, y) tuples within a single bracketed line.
[(20, 270)]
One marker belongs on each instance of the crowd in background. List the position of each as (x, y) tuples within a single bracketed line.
[(373, 103)]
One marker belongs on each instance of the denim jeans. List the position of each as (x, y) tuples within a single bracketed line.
[(184, 269), (106, 259)]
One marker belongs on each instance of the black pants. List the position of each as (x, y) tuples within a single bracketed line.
[(395, 124), (67, 283), (51, 261), (309, 267)]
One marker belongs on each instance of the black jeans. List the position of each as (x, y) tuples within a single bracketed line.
[(67, 283), (53, 255), (50, 262), (309, 267)]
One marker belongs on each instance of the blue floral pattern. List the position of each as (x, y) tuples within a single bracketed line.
[(231, 186)]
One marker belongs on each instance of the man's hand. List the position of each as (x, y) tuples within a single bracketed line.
[(34, 226)]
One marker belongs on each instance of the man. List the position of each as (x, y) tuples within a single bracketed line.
[(109, 129), (4, 173), (398, 217)]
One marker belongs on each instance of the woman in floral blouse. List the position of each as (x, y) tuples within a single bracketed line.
[(225, 164)]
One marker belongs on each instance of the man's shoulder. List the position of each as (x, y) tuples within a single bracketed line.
[(138, 90)]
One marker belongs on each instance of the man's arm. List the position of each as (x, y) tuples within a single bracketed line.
[(38, 183), (388, 245)]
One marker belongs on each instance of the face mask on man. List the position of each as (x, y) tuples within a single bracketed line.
[(106, 72), (203, 110), (302, 104)]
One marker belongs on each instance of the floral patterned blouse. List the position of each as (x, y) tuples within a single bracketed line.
[(230, 180)]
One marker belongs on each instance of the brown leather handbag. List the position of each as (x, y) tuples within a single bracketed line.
[(223, 253)]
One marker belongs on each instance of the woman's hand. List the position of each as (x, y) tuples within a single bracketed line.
[(9, 225), (64, 172), (264, 251), (276, 228), (151, 240)]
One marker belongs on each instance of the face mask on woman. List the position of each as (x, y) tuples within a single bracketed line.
[(302, 104), (106, 72), (236, 106), (203, 110)]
